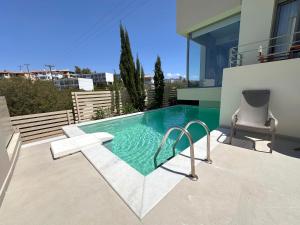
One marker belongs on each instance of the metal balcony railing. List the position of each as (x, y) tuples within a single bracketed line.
[(272, 49)]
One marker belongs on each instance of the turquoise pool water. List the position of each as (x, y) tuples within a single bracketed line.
[(138, 137)]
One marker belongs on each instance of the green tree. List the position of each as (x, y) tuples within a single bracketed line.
[(116, 88), (86, 71), (77, 70), (143, 94), (139, 79), (130, 75), (158, 83)]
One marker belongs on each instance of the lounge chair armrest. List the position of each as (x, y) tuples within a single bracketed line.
[(234, 117), (272, 120)]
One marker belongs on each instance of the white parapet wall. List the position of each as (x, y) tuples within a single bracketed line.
[(281, 77), (10, 143), (203, 95)]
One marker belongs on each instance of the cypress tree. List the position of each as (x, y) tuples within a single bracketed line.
[(116, 88), (158, 83), (143, 94), (138, 76), (139, 79), (131, 72), (127, 67)]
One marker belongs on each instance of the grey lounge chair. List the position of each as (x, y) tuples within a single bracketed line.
[(254, 114)]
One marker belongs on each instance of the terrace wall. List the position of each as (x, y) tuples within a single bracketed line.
[(210, 96), (40, 126), (281, 77), (9, 147)]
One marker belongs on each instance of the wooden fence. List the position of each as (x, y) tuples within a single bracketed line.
[(42, 125), (169, 94), (86, 103)]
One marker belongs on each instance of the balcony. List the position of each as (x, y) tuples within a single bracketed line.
[(278, 48)]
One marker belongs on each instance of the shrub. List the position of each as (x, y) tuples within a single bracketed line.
[(99, 114), (102, 113), (129, 108), (28, 97)]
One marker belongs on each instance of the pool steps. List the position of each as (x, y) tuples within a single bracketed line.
[(184, 131)]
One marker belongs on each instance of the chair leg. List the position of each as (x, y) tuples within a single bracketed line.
[(231, 134), (272, 141)]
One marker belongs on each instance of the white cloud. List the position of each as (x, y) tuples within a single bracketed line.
[(173, 75)]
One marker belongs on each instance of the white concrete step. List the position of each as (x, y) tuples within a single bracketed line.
[(72, 145)]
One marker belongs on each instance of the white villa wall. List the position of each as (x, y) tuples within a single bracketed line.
[(281, 77), (257, 17), (194, 14), (202, 94), (256, 26)]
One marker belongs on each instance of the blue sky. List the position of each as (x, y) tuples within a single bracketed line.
[(86, 33)]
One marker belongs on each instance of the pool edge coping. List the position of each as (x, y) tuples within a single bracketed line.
[(144, 198), (125, 115)]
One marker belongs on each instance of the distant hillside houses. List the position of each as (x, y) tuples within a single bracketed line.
[(98, 80), (149, 81), (64, 78), (52, 75), (5, 74), (37, 74)]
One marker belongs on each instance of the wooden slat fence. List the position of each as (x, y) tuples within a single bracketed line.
[(169, 94), (42, 125), (85, 104)]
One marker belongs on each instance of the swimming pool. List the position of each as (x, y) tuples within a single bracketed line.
[(138, 137)]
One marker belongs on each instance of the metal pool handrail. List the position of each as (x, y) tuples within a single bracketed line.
[(183, 131), (207, 134)]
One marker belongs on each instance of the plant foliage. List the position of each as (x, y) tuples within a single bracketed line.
[(131, 73), (78, 70), (158, 83), (28, 97), (129, 108), (102, 113), (116, 88)]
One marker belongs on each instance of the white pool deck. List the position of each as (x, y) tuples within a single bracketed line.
[(141, 193), (241, 186)]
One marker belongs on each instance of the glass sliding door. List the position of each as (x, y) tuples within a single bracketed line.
[(208, 52), (194, 64), (287, 23)]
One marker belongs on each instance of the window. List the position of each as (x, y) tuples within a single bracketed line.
[(208, 52)]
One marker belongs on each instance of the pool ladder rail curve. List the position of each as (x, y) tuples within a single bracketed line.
[(184, 131)]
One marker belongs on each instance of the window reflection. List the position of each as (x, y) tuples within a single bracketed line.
[(209, 54)]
